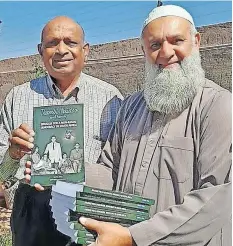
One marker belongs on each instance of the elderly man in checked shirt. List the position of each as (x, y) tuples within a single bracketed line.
[(64, 52), (171, 143)]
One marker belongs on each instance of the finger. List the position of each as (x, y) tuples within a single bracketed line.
[(22, 134), (91, 224), (39, 187), (16, 152), (25, 127), (28, 164), (23, 144), (92, 244), (28, 171), (27, 178)]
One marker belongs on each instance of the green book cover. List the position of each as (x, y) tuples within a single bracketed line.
[(85, 234), (58, 152), (118, 215), (104, 200), (108, 207), (76, 226), (85, 241), (118, 195)]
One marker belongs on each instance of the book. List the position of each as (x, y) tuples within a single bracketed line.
[(108, 201), (58, 152), (67, 201), (67, 189), (118, 195), (104, 216), (89, 212), (77, 226), (107, 207)]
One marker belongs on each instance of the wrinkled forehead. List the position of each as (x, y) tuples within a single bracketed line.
[(166, 26)]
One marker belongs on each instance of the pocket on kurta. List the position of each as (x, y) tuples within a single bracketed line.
[(175, 158)]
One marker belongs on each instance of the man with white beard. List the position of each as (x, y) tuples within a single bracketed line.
[(171, 143)]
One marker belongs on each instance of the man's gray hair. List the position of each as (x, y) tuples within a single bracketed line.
[(193, 32)]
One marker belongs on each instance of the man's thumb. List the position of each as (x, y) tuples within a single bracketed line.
[(90, 224)]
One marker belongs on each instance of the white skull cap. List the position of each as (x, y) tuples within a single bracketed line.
[(167, 10)]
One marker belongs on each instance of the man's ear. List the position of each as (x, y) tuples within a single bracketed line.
[(143, 50), (142, 45), (39, 47), (197, 40), (86, 49)]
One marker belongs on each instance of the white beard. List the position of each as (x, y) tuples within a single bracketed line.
[(170, 91)]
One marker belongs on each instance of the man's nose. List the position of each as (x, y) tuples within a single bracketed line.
[(166, 53), (61, 48)]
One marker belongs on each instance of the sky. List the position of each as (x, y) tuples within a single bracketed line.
[(103, 22)]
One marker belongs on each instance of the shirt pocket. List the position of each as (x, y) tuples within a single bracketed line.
[(175, 159)]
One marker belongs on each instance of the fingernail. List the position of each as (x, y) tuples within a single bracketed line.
[(31, 139), (32, 133), (39, 187), (82, 220), (30, 145), (26, 152)]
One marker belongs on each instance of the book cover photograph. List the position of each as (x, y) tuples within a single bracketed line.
[(58, 152)]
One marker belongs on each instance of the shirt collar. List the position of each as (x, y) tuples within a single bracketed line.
[(56, 91)]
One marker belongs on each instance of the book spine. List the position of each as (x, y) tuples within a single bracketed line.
[(118, 195), (108, 207), (119, 215), (75, 217), (78, 226), (103, 200)]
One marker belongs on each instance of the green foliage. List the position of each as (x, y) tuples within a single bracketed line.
[(38, 72), (5, 240)]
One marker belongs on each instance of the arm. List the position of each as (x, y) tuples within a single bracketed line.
[(205, 210), (59, 152), (20, 140), (8, 166), (46, 149), (71, 156), (108, 118)]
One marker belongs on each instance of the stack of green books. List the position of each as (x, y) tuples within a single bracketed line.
[(71, 201)]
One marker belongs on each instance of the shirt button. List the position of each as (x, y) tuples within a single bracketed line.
[(144, 164), (151, 141)]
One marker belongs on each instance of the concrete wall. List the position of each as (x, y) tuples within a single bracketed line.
[(122, 63)]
